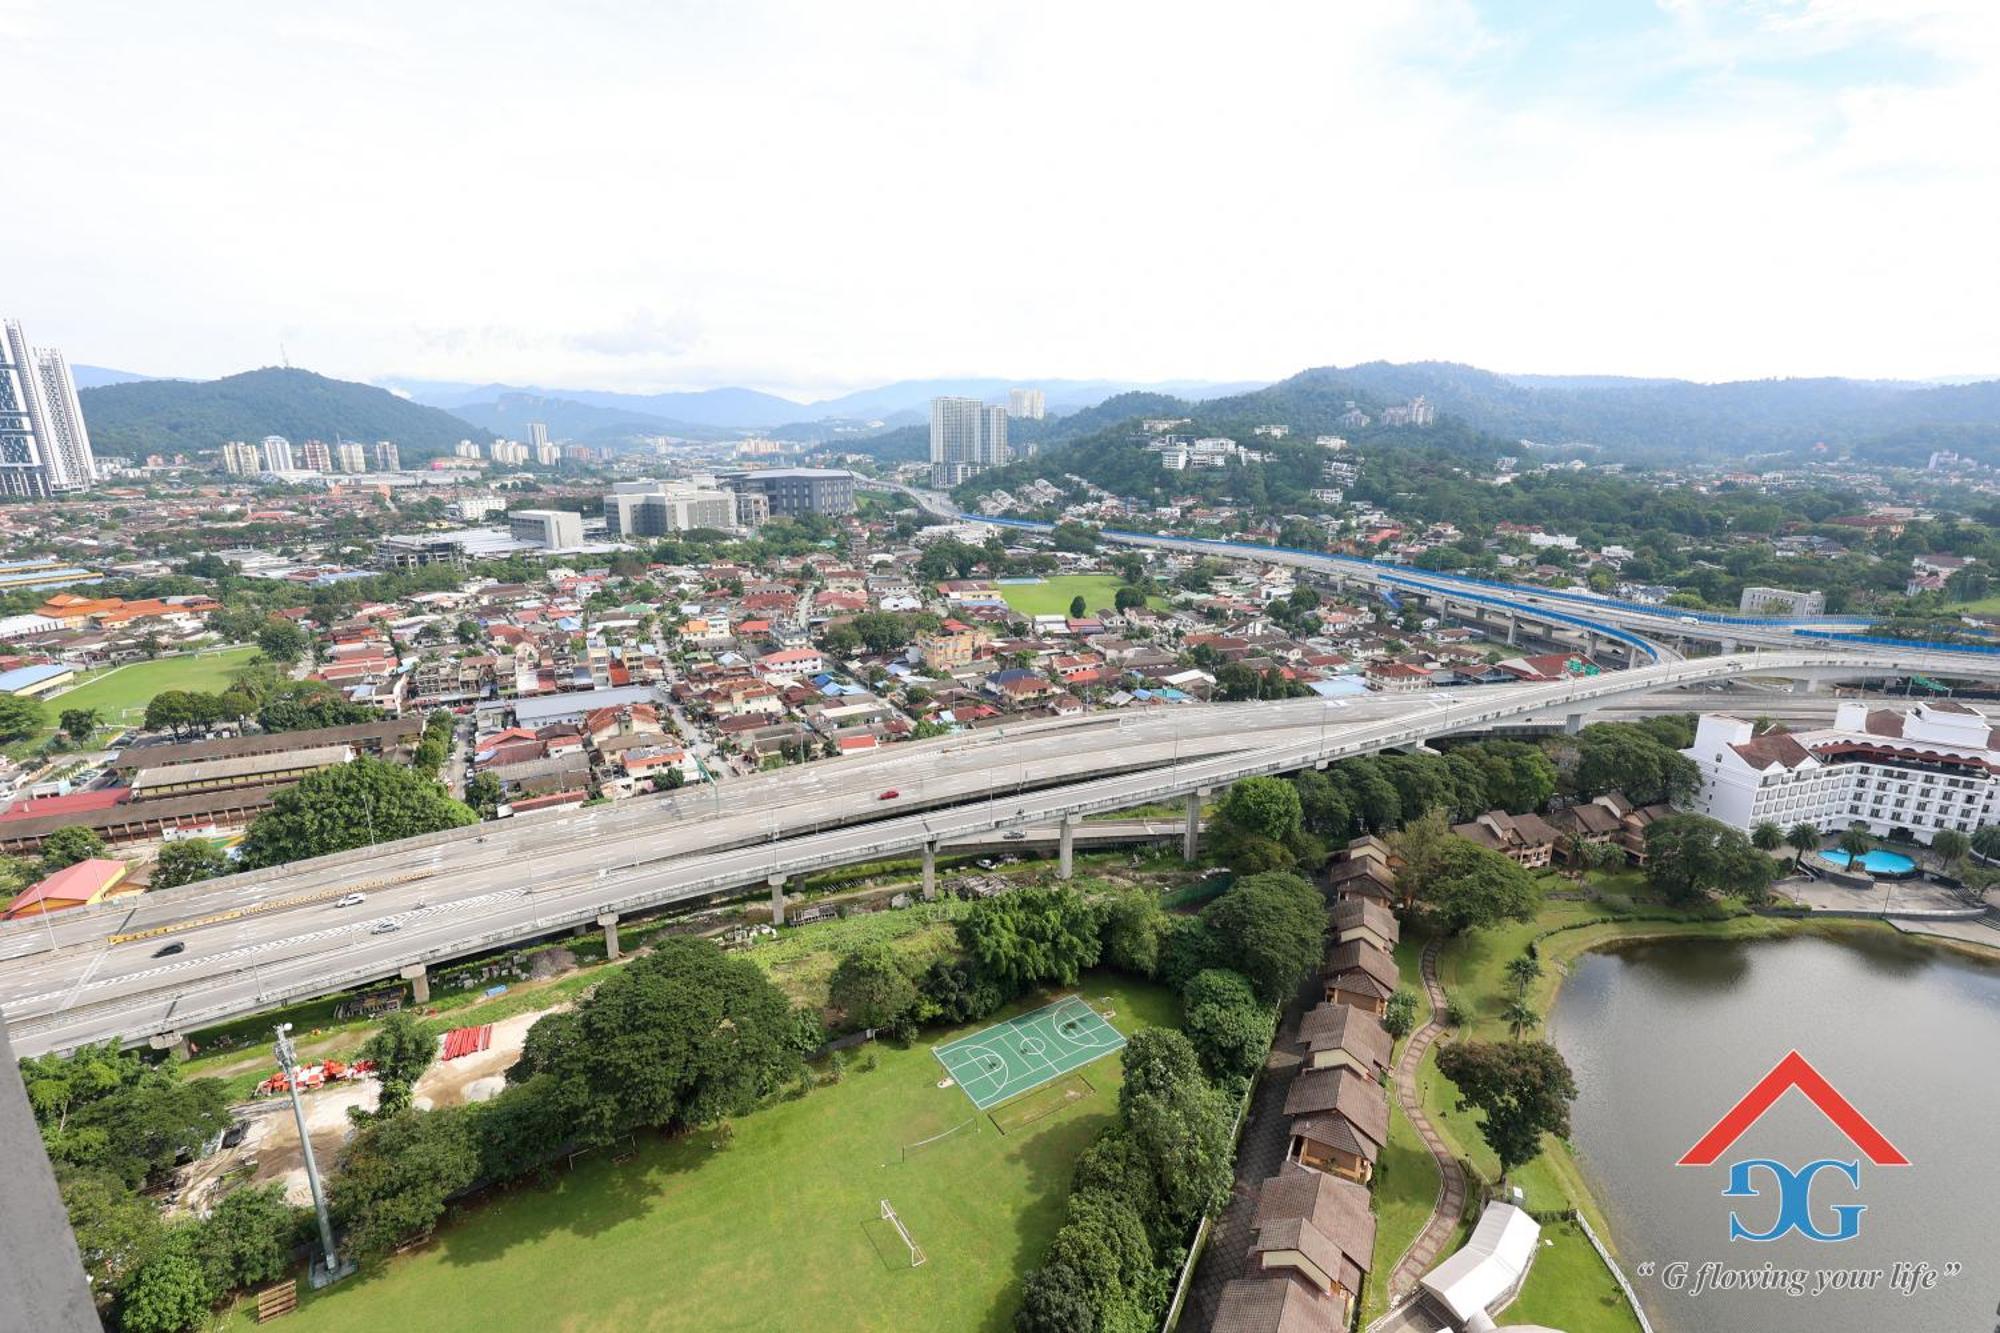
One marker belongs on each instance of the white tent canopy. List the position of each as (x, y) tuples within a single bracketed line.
[(1489, 1267)]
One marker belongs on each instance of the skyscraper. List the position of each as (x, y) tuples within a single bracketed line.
[(315, 456), (277, 454), (1026, 404), (538, 434), (352, 457), (241, 460), (967, 437), (44, 445), (388, 458)]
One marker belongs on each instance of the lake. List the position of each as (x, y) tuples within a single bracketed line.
[(1665, 1038)]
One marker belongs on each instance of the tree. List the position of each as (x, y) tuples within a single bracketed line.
[(1128, 598), (871, 986), (1231, 1029), (1523, 1090), (1801, 838), (78, 723), (483, 792), (1767, 836), (248, 1237), (1856, 842), (1420, 845), (679, 1037), (1077, 609), (306, 705), (1473, 887), (1257, 824), (186, 860), (20, 717), (1522, 973), (282, 641), (402, 1050), (1031, 936), (68, 845), (1271, 928), (1689, 857), (396, 1175), (1949, 846), (1616, 757), (1179, 1125), (356, 804), (1133, 927), (116, 1230), (1055, 1299), (1519, 1015), (1986, 841), (170, 1292), (1400, 1017)]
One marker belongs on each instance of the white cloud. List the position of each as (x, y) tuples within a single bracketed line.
[(810, 197)]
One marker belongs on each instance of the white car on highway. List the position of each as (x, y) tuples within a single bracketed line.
[(350, 900), (384, 927)]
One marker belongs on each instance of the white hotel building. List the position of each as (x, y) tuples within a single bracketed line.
[(1935, 766)]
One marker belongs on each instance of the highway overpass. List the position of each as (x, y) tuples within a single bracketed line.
[(257, 940)]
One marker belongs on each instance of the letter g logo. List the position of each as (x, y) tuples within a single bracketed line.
[(1794, 1199)]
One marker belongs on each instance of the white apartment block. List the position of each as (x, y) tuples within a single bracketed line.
[(967, 437), (44, 445), (1935, 766), (1026, 404)]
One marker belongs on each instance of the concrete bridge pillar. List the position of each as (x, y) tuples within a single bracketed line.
[(1191, 835), (175, 1044), (1513, 630), (1066, 847), (1807, 685), (777, 883), (1589, 644), (610, 923), (1573, 724), (930, 870), (419, 978)]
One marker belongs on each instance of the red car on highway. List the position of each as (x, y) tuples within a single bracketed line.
[(889, 795)]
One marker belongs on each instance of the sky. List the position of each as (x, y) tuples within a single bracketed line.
[(809, 198)]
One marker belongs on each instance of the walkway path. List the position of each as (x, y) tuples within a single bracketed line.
[(1450, 1205)]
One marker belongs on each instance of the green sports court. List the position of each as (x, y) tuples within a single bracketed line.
[(1010, 1058)]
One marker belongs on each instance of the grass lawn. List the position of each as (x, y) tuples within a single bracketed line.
[(120, 694), (801, 960), (778, 1226), (1570, 1288), (1405, 1186), (1052, 597)]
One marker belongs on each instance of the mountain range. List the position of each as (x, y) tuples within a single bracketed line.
[(1651, 421), (139, 417), (901, 403)]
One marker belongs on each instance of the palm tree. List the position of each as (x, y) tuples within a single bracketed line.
[(1856, 842), (1522, 972), (1518, 1015), (1802, 838), (1767, 837)]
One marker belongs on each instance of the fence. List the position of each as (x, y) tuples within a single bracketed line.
[(1631, 1296), (1207, 1224)]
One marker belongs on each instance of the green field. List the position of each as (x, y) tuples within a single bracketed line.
[(1570, 1288), (1052, 597), (120, 694), (780, 1227)]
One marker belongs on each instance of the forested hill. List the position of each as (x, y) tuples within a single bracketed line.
[(163, 416), (1661, 421)]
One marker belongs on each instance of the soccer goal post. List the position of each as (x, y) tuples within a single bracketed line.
[(916, 1250)]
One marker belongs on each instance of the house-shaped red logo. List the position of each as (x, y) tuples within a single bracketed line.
[(1794, 1071)]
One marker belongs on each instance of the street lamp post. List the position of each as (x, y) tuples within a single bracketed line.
[(330, 1269)]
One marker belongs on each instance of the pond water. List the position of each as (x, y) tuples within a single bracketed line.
[(1666, 1038)]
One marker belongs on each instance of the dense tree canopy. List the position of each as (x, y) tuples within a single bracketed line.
[(356, 804), (683, 1035), (1689, 857), (397, 1173), (1270, 928), (1031, 936), (871, 986)]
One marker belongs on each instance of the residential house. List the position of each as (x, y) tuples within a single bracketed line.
[(1340, 1120)]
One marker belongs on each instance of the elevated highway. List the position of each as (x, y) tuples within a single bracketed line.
[(256, 940)]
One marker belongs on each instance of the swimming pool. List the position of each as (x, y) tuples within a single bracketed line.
[(1876, 862)]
